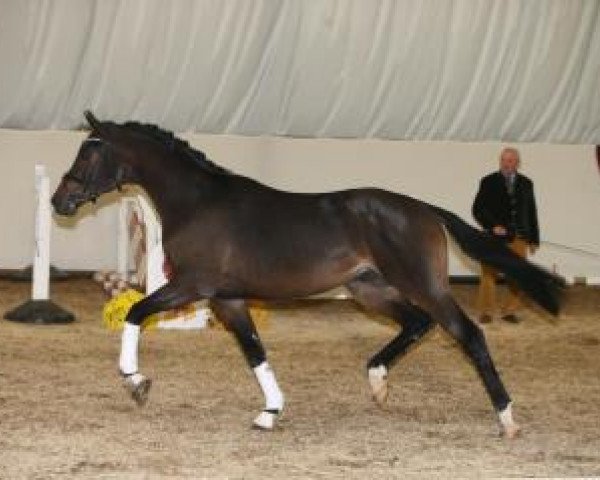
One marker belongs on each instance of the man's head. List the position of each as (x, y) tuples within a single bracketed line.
[(509, 161)]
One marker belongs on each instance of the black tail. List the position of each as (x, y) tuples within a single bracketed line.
[(542, 286)]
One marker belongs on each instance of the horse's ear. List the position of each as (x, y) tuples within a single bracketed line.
[(93, 121)]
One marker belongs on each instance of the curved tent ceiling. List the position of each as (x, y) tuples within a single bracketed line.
[(514, 70)]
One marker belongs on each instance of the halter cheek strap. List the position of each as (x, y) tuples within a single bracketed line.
[(85, 182), (71, 176)]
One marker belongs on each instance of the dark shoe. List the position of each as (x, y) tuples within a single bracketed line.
[(511, 318), (485, 318)]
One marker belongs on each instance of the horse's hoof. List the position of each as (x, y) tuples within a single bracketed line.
[(380, 396), (511, 431), (138, 387), (379, 384), (266, 420)]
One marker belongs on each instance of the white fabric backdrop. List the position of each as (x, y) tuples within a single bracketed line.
[(518, 70)]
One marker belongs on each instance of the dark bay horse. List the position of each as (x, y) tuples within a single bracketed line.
[(230, 239)]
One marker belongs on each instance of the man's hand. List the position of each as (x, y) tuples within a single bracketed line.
[(499, 230)]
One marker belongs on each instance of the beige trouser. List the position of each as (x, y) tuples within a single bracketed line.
[(487, 286)]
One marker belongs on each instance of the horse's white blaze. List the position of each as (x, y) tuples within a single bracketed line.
[(128, 361), (268, 384), (378, 382)]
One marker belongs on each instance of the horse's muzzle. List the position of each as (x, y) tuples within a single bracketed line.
[(65, 206)]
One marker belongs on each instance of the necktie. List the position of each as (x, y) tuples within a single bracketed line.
[(510, 184)]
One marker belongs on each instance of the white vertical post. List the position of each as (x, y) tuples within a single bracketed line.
[(41, 257), (155, 277), (40, 309), (154, 261), (123, 238)]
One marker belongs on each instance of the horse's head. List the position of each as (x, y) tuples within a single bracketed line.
[(97, 169)]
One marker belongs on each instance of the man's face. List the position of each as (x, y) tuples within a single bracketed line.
[(509, 162)]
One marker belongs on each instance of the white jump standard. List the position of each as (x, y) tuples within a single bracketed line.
[(40, 309)]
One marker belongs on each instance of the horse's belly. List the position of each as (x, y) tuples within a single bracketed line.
[(302, 275)]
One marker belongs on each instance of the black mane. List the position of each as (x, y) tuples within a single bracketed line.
[(176, 145)]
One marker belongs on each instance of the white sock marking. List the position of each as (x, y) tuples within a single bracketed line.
[(128, 361), (265, 420), (379, 372), (378, 382), (506, 418), (377, 377), (135, 379), (268, 384)]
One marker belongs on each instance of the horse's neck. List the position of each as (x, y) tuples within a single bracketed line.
[(174, 191)]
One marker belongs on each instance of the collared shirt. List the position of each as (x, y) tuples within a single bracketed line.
[(510, 182)]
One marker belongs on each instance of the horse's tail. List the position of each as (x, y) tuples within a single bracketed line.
[(542, 286)]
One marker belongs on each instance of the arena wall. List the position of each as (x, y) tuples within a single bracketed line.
[(566, 178)]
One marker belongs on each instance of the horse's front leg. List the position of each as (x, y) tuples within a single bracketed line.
[(235, 314), (174, 294)]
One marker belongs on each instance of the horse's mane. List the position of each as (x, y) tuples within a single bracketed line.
[(176, 145)]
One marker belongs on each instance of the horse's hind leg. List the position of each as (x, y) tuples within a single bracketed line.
[(235, 314), (372, 291), (449, 314), (415, 323)]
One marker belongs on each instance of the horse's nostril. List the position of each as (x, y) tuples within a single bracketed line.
[(63, 205)]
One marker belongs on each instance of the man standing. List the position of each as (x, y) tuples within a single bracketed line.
[(505, 207)]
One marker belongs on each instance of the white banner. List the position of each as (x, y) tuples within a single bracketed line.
[(468, 70)]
